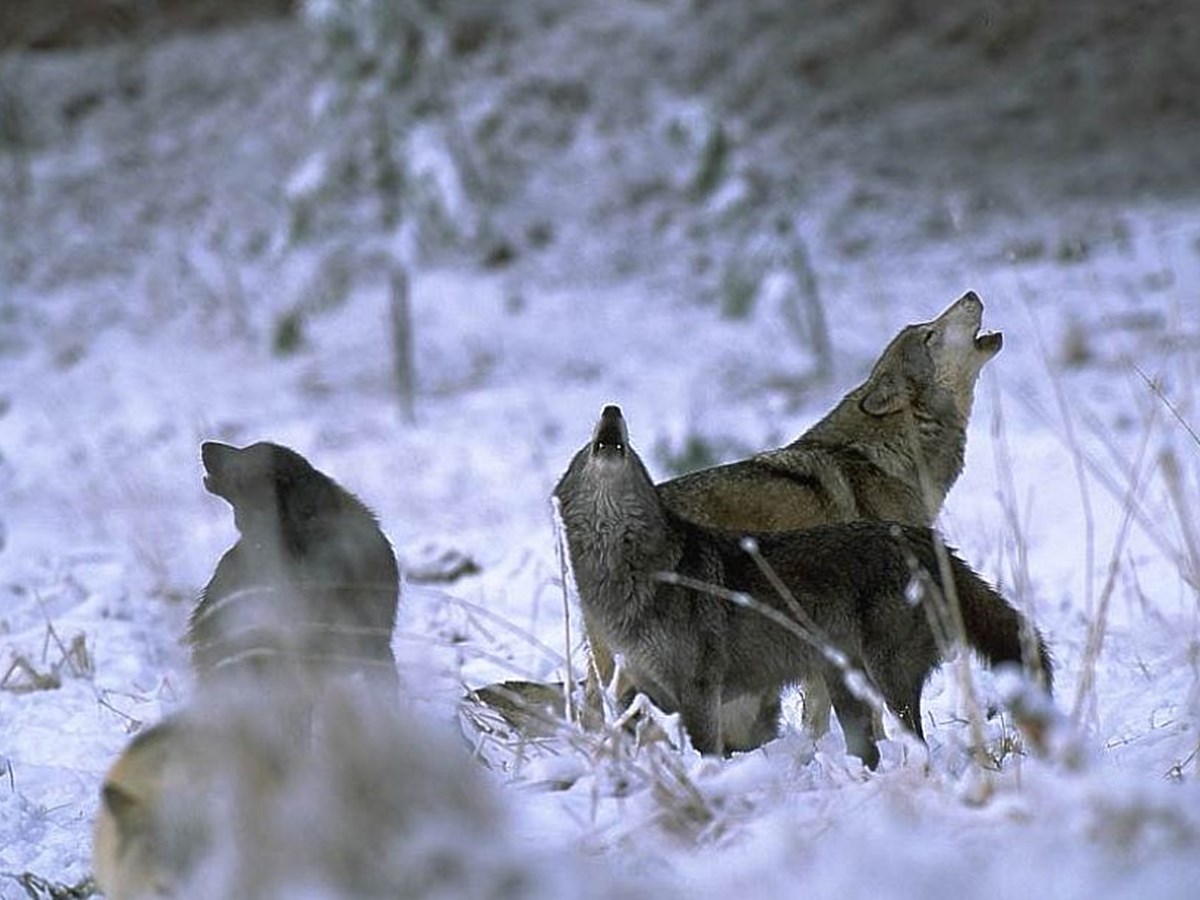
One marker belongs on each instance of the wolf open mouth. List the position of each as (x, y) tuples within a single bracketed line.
[(989, 341), (611, 436)]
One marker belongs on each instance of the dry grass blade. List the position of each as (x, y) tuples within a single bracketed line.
[(567, 578), (132, 723), (1180, 501), (39, 888), (23, 678), (945, 616), (1117, 487), (1078, 458), (552, 655), (1017, 528), (684, 807), (469, 650), (1085, 695), (1156, 389), (504, 699)]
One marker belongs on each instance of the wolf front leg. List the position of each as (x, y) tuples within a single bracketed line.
[(855, 718), (700, 709), (817, 706), (601, 666)]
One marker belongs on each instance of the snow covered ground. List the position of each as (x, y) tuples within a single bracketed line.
[(145, 269)]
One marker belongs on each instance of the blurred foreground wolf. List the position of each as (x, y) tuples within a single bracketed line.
[(310, 586), (671, 596), (221, 801)]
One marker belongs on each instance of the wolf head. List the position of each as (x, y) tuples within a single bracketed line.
[(274, 491), (932, 363), (606, 480), (607, 462), (133, 854)]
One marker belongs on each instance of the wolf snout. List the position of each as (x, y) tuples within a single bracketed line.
[(611, 434), (966, 309), (216, 458), (962, 325)]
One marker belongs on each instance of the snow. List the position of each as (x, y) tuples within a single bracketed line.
[(143, 272)]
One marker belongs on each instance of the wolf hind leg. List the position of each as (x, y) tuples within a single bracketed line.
[(901, 691), (700, 710), (854, 715), (817, 706)]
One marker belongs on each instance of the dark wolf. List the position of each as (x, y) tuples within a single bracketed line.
[(890, 450), (311, 585), (637, 565)]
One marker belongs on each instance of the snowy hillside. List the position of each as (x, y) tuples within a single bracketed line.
[(643, 203)]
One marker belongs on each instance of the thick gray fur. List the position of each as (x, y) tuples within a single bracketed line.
[(690, 650)]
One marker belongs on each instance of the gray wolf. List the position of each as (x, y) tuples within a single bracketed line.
[(311, 583), (637, 565), (890, 450)]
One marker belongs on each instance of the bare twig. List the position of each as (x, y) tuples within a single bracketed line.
[(1156, 389), (404, 365), (568, 582), (36, 681), (1098, 621), (945, 613), (1077, 458)]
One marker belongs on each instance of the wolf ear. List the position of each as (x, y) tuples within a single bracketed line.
[(125, 808), (884, 397)]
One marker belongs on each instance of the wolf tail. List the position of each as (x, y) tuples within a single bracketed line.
[(999, 632)]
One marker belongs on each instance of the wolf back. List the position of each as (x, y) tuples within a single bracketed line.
[(890, 450), (689, 649)]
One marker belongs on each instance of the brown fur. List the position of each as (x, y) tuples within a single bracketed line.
[(890, 450), (649, 580)]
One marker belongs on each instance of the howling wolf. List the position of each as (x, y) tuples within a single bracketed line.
[(311, 584), (890, 450), (649, 581)]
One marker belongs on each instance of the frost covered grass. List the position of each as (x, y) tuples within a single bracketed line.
[(151, 296)]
